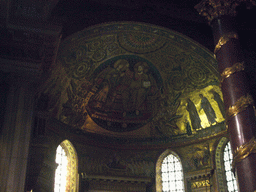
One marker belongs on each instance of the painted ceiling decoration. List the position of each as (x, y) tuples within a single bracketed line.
[(135, 79)]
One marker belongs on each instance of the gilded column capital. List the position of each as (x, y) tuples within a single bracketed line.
[(212, 9)]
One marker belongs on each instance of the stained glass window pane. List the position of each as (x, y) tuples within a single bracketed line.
[(164, 167), (61, 171), (231, 181), (172, 174)]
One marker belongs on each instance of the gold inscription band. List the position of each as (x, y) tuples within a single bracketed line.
[(241, 104), (230, 70), (244, 151), (198, 184), (224, 39)]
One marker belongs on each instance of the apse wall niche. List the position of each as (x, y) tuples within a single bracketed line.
[(135, 79)]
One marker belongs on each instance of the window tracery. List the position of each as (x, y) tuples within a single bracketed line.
[(169, 173), (223, 159), (231, 181)]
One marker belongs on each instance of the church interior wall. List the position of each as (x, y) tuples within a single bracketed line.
[(103, 165), (52, 78)]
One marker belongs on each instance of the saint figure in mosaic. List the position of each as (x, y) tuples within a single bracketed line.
[(193, 114), (206, 106)]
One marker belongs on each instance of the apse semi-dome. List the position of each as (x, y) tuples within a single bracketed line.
[(128, 79)]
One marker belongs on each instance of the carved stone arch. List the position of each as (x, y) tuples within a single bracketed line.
[(220, 169), (158, 167), (72, 177)]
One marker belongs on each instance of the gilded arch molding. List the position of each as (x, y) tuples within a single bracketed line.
[(72, 177)]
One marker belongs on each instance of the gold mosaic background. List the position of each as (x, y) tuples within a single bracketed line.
[(90, 90)]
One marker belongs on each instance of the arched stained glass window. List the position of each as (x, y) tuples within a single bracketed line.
[(231, 181), (169, 173), (66, 175), (223, 160), (61, 171)]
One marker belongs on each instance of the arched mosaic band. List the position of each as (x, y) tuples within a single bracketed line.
[(220, 170), (72, 177), (141, 42)]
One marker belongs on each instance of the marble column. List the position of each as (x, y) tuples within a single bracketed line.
[(240, 118), (15, 134)]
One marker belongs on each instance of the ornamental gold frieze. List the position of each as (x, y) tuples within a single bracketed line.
[(212, 9)]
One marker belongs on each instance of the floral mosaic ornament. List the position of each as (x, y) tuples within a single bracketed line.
[(123, 77)]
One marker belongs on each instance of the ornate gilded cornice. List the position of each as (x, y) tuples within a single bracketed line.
[(212, 9)]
